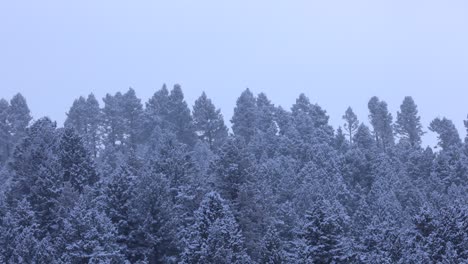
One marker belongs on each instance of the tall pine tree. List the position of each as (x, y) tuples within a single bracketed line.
[(408, 124), (209, 123)]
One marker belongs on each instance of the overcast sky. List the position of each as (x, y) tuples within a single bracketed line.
[(339, 53)]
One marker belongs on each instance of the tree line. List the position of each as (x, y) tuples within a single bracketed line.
[(159, 182)]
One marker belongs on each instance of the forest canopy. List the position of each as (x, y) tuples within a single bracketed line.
[(161, 182)]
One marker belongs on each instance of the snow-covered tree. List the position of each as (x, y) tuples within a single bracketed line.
[(5, 136), (351, 123), (19, 117), (127, 184), (272, 248), (89, 236), (245, 113), (323, 237), (209, 122), (381, 120), (37, 174), (408, 124), (85, 118), (447, 133), (78, 167), (215, 236)]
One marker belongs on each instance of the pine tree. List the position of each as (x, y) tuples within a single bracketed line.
[(78, 167), (215, 236), (245, 113), (17, 236), (121, 118), (5, 137), (340, 142), (209, 123), (118, 197), (311, 120), (323, 237), (89, 236), (16, 118), (132, 111), (156, 113), (113, 120), (447, 133), (154, 234), (146, 198), (231, 169), (37, 174), (352, 123), (19, 117), (171, 158), (465, 122), (181, 117), (357, 169), (94, 121), (381, 120), (408, 124), (170, 112), (265, 114), (272, 249), (85, 118), (76, 116), (363, 138)]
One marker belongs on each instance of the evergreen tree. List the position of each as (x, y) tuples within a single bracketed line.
[(215, 236), (408, 124), (37, 174), (209, 123), (154, 234), (17, 236), (340, 141), (311, 120), (180, 117), (118, 197), (171, 158), (170, 112), (85, 118), (78, 167), (272, 249), (245, 113), (147, 196), (113, 120), (465, 122), (19, 117), (94, 121), (132, 111), (352, 123), (265, 114), (89, 236), (381, 120), (5, 137), (363, 138), (231, 169), (156, 113), (447, 133), (76, 116), (323, 237)]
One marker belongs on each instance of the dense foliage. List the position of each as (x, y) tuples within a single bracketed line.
[(125, 182)]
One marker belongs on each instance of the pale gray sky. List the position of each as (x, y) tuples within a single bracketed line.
[(339, 53)]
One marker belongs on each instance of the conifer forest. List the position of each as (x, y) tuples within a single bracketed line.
[(127, 181)]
